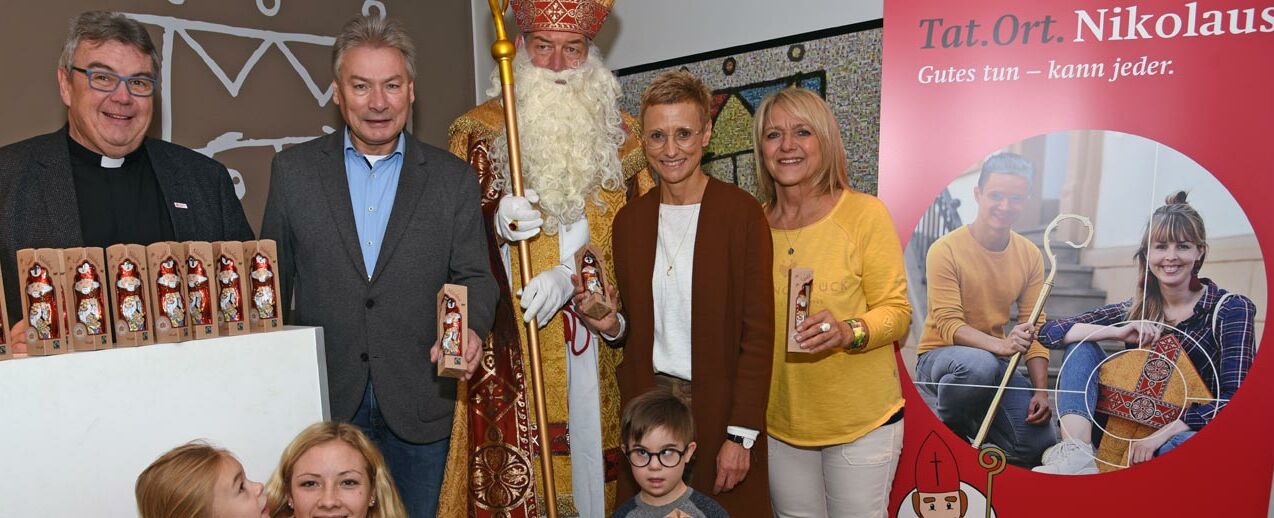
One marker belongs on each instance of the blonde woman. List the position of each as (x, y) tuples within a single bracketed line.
[(835, 410), (196, 480), (329, 469)]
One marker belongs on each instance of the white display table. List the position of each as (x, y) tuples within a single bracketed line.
[(77, 429)]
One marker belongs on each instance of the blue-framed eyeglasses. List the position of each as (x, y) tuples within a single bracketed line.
[(107, 81)]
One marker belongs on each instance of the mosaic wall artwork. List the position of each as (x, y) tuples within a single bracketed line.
[(841, 64)]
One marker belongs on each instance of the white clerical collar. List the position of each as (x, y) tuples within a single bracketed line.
[(112, 163)]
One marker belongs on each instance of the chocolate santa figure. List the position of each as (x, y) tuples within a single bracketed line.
[(230, 303), (88, 298), (168, 291), (262, 287), (803, 304), (43, 315), (589, 274), (451, 330), (132, 301), (197, 284)]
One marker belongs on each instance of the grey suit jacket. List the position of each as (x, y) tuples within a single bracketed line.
[(381, 327), (39, 208)]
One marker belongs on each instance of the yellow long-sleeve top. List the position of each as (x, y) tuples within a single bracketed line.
[(972, 286), (835, 396)]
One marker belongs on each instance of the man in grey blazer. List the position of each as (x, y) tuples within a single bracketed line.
[(99, 181), (370, 224)]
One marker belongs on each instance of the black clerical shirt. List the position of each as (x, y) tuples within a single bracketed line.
[(119, 205)]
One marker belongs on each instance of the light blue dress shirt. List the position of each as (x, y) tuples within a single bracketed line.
[(371, 192)]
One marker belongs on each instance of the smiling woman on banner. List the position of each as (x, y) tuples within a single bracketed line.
[(1215, 327), (692, 262), (835, 413)]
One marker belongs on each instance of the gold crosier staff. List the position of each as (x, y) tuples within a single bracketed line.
[(503, 51), (1035, 314)]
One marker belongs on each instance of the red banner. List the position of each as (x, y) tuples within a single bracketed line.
[(1116, 104)]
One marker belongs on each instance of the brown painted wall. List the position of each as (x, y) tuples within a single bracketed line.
[(274, 101)]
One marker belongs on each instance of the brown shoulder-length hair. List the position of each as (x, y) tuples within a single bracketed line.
[(179, 484), (1176, 221), (388, 504), (808, 107)]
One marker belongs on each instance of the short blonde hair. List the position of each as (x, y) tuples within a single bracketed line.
[(675, 87), (807, 106), (179, 484), (388, 505)]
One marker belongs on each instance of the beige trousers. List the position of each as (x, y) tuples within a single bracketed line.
[(845, 480)]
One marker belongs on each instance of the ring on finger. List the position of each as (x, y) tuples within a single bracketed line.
[(824, 327), (513, 225)]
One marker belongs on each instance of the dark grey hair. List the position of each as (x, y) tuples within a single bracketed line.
[(101, 27), (374, 32), (1007, 163)]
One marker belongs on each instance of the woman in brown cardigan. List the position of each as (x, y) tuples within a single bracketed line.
[(693, 268)]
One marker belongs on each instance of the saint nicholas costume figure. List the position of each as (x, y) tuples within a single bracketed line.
[(581, 161)]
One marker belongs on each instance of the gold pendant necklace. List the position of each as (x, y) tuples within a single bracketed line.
[(671, 259), (791, 249)]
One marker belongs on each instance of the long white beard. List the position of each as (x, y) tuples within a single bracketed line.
[(570, 128)]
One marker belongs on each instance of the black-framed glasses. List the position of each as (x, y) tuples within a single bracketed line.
[(107, 81), (669, 457)]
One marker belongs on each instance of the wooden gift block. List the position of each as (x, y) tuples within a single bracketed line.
[(592, 274), (6, 351), (42, 274), (231, 289), (201, 298), (131, 295), (800, 287), (168, 306), (265, 311), (87, 301), (453, 321)]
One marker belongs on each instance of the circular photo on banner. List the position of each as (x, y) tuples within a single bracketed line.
[(1117, 283)]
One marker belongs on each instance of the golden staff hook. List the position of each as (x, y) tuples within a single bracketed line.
[(1035, 314), (503, 51)]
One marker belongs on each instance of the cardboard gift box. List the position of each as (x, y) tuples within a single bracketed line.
[(800, 287), (453, 323)]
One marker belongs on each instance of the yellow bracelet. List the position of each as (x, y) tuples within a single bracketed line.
[(859, 330)]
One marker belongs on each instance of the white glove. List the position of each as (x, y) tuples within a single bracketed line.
[(516, 219), (547, 293)]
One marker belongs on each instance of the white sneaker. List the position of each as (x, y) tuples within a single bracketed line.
[(1069, 457)]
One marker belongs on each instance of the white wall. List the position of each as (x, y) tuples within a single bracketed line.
[(1138, 173), (645, 31)]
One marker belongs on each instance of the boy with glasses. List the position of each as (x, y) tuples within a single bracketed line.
[(658, 437)]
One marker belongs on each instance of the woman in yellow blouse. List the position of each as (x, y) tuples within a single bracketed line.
[(835, 410)]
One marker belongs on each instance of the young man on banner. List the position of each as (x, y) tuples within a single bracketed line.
[(370, 223), (99, 181), (975, 274), (581, 160)]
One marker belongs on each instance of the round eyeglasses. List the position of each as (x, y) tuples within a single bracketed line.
[(107, 81), (683, 138), (668, 457)]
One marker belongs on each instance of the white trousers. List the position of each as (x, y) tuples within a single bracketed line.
[(845, 480)]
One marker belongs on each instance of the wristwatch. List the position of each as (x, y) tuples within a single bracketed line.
[(741, 440)]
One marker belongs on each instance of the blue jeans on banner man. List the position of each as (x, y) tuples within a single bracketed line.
[(948, 375), (1078, 374), (417, 468)]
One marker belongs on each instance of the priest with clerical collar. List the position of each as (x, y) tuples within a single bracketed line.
[(99, 181)]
